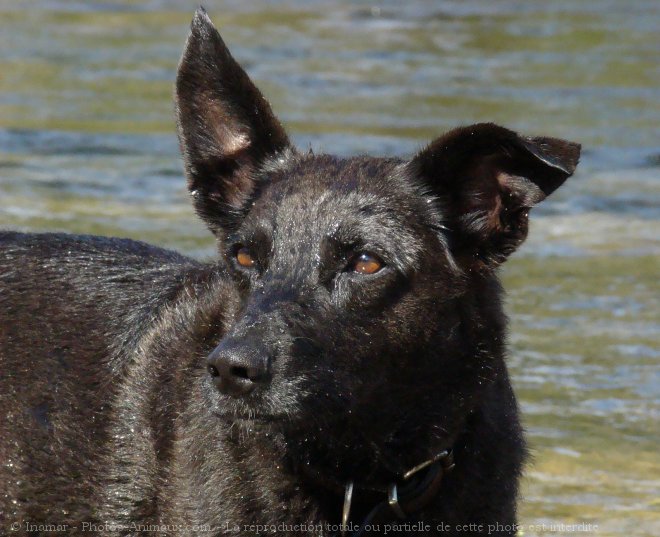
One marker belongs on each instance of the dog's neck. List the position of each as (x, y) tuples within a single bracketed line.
[(271, 461)]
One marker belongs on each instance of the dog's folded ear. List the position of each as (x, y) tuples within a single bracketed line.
[(487, 178), (227, 130)]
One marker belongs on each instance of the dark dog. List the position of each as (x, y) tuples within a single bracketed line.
[(343, 361)]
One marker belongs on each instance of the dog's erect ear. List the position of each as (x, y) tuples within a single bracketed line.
[(487, 178), (227, 129)]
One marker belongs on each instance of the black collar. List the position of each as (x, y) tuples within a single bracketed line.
[(402, 498)]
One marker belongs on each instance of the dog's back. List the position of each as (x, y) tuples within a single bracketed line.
[(71, 310)]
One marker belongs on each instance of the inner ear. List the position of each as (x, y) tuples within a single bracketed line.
[(488, 178), (493, 189), (227, 130)]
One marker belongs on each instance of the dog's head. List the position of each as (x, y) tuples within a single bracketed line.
[(369, 305)]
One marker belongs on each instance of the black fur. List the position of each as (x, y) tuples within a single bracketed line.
[(110, 409)]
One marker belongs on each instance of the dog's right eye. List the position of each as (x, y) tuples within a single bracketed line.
[(244, 258), (366, 263)]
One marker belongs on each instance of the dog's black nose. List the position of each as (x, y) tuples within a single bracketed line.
[(237, 369)]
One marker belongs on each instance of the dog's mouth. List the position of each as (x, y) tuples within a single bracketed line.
[(231, 417)]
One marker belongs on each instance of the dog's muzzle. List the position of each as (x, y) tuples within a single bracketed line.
[(238, 367)]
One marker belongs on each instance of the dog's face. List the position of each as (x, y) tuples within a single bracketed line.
[(359, 278)]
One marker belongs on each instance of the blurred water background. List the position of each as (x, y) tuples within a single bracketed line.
[(87, 144)]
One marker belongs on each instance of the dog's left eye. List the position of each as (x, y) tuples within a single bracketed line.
[(366, 263), (244, 258)]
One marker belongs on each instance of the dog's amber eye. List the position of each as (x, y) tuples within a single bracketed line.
[(366, 264), (244, 258)]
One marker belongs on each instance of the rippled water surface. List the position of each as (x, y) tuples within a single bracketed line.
[(87, 145)]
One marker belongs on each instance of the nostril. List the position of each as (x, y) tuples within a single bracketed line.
[(236, 370), (240, 372)]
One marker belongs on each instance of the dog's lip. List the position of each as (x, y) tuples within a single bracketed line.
[(234, 417)]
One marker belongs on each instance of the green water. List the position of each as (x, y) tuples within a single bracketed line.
[(87, 145)]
